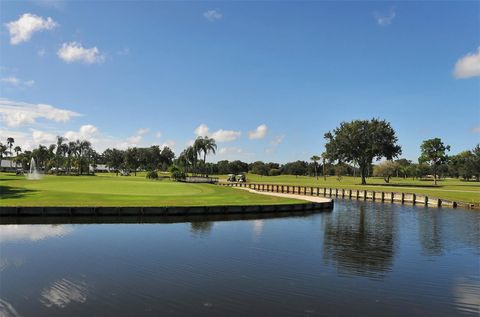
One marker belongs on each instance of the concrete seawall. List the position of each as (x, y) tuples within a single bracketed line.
[(380, 196), (19, 211)]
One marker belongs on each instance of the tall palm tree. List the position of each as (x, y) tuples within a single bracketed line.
[(71, 152), (17, 150), (324, 158), (191, 155), (60, 151), (208, 146), (3, 150), (10, 142), (315, 159)]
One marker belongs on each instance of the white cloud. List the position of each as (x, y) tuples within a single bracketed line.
[(142, 131), (201, 130), (42, 137), (75, 52), (14, 113), (86, 132), (230, 150), (33, 232), (475, 129), (158, 135), (225, 135), (384, 19), (14, 81), (63, 292), (219, 135), (213, 15), (468, 66), (274, 143), (168, 143), (259, 133), (22, 29)]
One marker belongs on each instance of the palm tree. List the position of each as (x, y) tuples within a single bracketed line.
[(60, 151), (71, 151), (10, 142), (208, 145), (17, 150), (324, 158), (315, 159), (3, 150), (192, 156)]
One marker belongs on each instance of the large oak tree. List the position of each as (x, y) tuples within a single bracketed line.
[(361, 141)]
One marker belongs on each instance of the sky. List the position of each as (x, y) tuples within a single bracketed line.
[(265, 79)]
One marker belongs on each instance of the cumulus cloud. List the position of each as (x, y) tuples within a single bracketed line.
[(219, 135), (230, 150), (168, 143), (259, 133), (468, 66), (27, 24), (14, 81), (86, 132), (75, 52), (384, 19), (42, 137), (15, 113), (213, 15), (274, 143)]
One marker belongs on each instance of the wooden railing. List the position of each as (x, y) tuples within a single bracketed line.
[(381, 196)]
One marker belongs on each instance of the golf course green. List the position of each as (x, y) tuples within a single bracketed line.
[(449, 189), (111, 190)]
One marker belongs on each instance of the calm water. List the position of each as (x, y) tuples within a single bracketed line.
[(361, 259)]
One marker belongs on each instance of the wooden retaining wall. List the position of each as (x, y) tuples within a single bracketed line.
[(380, 196)]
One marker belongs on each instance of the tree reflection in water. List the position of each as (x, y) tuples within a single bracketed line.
[(201, 227), (360, 240)]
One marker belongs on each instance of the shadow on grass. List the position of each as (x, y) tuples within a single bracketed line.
[(9, 192)]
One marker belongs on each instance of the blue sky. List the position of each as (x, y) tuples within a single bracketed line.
[(266, 79)]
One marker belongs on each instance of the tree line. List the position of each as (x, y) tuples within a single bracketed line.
[(351, 149)]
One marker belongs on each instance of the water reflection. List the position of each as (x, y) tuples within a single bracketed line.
[(430, 227), (257, 227), (201, 228), (33, 232), (361, 241), (64, 292), (467, 294), (7, 310)]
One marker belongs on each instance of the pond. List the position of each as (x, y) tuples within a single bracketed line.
[(362, 258)]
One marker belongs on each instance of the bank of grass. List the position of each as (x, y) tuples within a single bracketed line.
[(450, 189), (111, 190)]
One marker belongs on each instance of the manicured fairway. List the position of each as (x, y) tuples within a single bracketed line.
[(111, 190), (450, 189)]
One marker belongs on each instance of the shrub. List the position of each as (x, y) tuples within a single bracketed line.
[(177, 173), (152, 175)]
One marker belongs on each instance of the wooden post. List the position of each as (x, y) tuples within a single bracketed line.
[(278, 188), (403, 198), (343, 193), (414, 199), (364, 195), (439, 202), (318, 191), (358, 194), (383, 196), (282, 189), (392, 197), (426, 200), (350, 194), (373, 195), (324, 192), (330, 192)]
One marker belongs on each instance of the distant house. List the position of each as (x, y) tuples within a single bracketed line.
[(99, 168), (6, 165)]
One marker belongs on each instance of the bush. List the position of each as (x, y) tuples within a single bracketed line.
[(152, 175), (177, 173)]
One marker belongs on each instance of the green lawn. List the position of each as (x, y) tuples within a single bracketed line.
[(111, 190), (450, 189)]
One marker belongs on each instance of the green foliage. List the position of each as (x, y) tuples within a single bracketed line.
[(433, 154), (177, 173), (360, 141), (386, 170), (152, 175)]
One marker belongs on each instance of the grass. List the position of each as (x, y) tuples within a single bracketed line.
[(111, 190), (450, 189)]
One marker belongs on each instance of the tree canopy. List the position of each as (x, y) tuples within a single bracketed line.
[(361, 141)]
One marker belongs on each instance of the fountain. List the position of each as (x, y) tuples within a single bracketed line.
[(33, 174)]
